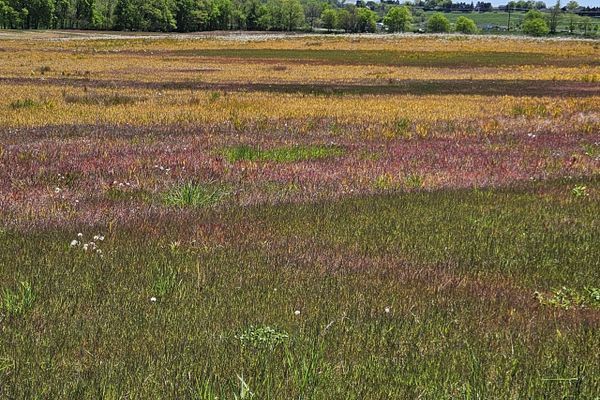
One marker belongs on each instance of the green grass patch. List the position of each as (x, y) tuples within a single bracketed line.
[(26, 104), (195, 195), (425, 294), (568, 298), (106, 100), (17, 302), (281, 154)]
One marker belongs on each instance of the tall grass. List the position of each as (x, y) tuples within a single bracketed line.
[(396, 296), (281, 154), (195, 195)]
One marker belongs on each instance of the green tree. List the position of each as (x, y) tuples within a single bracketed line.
[(571, 7), (554, 17), (438, 23), (586, 24), (533, 14), (346, 20), (312, 11), (157, 16), (127, 17), (39, 13), (465, 25), (63, 14), (281, 15), (86, 14), (293, 14), (329, 19), (184, 15), (6, 15), (251, 10), (398, 19), (366, 20), (536, 27)]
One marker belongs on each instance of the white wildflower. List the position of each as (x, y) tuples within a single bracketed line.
[(297, 312), (153, 299), (74, 243), (387, 310)]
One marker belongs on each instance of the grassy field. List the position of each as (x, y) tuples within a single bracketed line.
[(299, 218), (500, 18)]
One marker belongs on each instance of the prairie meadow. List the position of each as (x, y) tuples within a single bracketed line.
[(299, 217)]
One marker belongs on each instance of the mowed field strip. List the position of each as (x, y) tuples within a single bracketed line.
[(308, 217)]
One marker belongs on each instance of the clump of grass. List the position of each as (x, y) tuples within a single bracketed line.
[(385, 182), (529, 110), (281, 154), (580, 191), (213, 97), (262, 337), (402, 127), (388, 181), (16, 302), (567, 298), (106, 100), (195, 195), (592, 150), (414, 181), (27, 103), (165, 281)]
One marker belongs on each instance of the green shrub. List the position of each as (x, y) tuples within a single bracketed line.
[(465, 25), (438, 23), (536, 27), (398, 19)]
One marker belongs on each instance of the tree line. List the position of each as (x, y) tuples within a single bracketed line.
[(272, 15)]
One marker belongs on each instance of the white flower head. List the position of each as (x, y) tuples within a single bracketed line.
[(74, 243), (387, 310), (80, 235), (153, 299), (297, 312), (85, 247)]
